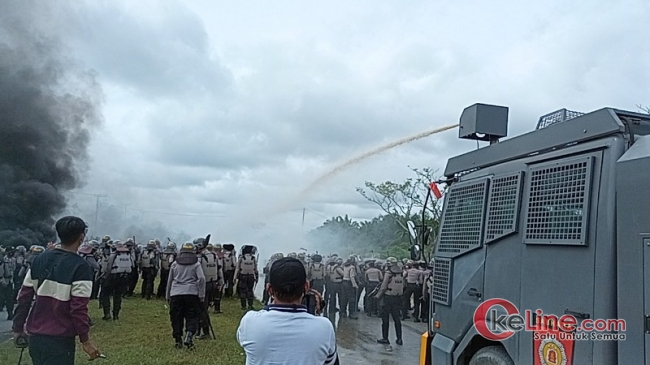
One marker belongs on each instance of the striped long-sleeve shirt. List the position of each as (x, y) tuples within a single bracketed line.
[(61, 305)]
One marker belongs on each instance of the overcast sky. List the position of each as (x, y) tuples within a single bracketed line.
[(224, 108)]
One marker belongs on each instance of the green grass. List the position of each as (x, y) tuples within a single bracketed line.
[(143, 336)]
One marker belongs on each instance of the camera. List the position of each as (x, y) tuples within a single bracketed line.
[(21, 342)]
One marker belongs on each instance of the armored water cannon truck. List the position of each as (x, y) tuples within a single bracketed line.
[(543, 254)]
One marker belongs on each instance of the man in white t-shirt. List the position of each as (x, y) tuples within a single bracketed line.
[(283, 332)]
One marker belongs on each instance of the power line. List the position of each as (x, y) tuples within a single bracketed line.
[(179, 214), (318, 214)]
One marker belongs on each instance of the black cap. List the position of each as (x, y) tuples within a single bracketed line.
[(287, 276)]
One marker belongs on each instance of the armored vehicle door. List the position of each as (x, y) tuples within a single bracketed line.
[(559, 221), (460, 257), (633, 251)]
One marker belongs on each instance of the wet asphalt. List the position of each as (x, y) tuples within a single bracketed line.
[(357, 341)]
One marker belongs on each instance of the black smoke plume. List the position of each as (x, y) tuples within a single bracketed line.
[(48, 103)]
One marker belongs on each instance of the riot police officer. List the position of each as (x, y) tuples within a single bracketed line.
[(317, 273), (413, 289), (213, 273), (34, 251), (120, 267), (303, 260), (7, 268), (185, 291), (19, 256), (149, 268), (390, 300), (106, 248), (218, 250), (267, 269), (88, 254), (349, 289), (229, 265), (246, 275), (374, 277), (134, 251), (427, 282), (336, 279), (167, 257)]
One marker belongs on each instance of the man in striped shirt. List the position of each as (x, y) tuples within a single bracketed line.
[(62, 283), (284, 333)]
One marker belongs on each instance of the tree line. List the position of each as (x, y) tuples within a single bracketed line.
[(388, 233)]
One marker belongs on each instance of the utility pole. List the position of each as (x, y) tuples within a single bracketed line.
[(97, 196), (124, 216), (303, 217)]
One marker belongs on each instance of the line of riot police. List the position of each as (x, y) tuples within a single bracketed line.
[(14, 264), (389, 288)]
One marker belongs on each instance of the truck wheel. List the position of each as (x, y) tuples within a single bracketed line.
[(491, 355)]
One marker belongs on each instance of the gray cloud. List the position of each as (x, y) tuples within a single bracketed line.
[(225, 108)]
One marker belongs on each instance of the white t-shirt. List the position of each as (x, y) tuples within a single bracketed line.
[(286, 335)]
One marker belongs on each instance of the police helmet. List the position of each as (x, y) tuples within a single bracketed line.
[(151, 245), (228, 247), (248, 249), (157, 241), (187, 247), (217, 246), (391, 261), (210, 247), (85, 249), (339, 261), (171, 245), (198, 241), (316, 258), (292, 255), (301, 255), (121, 247), (36, 249), (21, 249), (129, 242), (106, 238), (94, 244)]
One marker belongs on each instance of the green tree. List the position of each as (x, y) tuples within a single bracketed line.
[(406, 201)]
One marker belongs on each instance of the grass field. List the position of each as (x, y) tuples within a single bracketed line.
[(143, 336)]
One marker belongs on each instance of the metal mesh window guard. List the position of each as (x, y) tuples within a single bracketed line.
[(558, 203), (503, 206), (462, 221), (441, 289)]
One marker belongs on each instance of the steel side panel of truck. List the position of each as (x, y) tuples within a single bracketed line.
[(576, 275)]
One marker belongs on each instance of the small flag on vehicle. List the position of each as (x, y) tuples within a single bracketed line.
[(434, 188)]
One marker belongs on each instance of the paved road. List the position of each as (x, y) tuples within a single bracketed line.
[(357, 341)]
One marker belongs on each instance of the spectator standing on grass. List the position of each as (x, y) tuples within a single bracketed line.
[(284, 333), (62, 283)]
